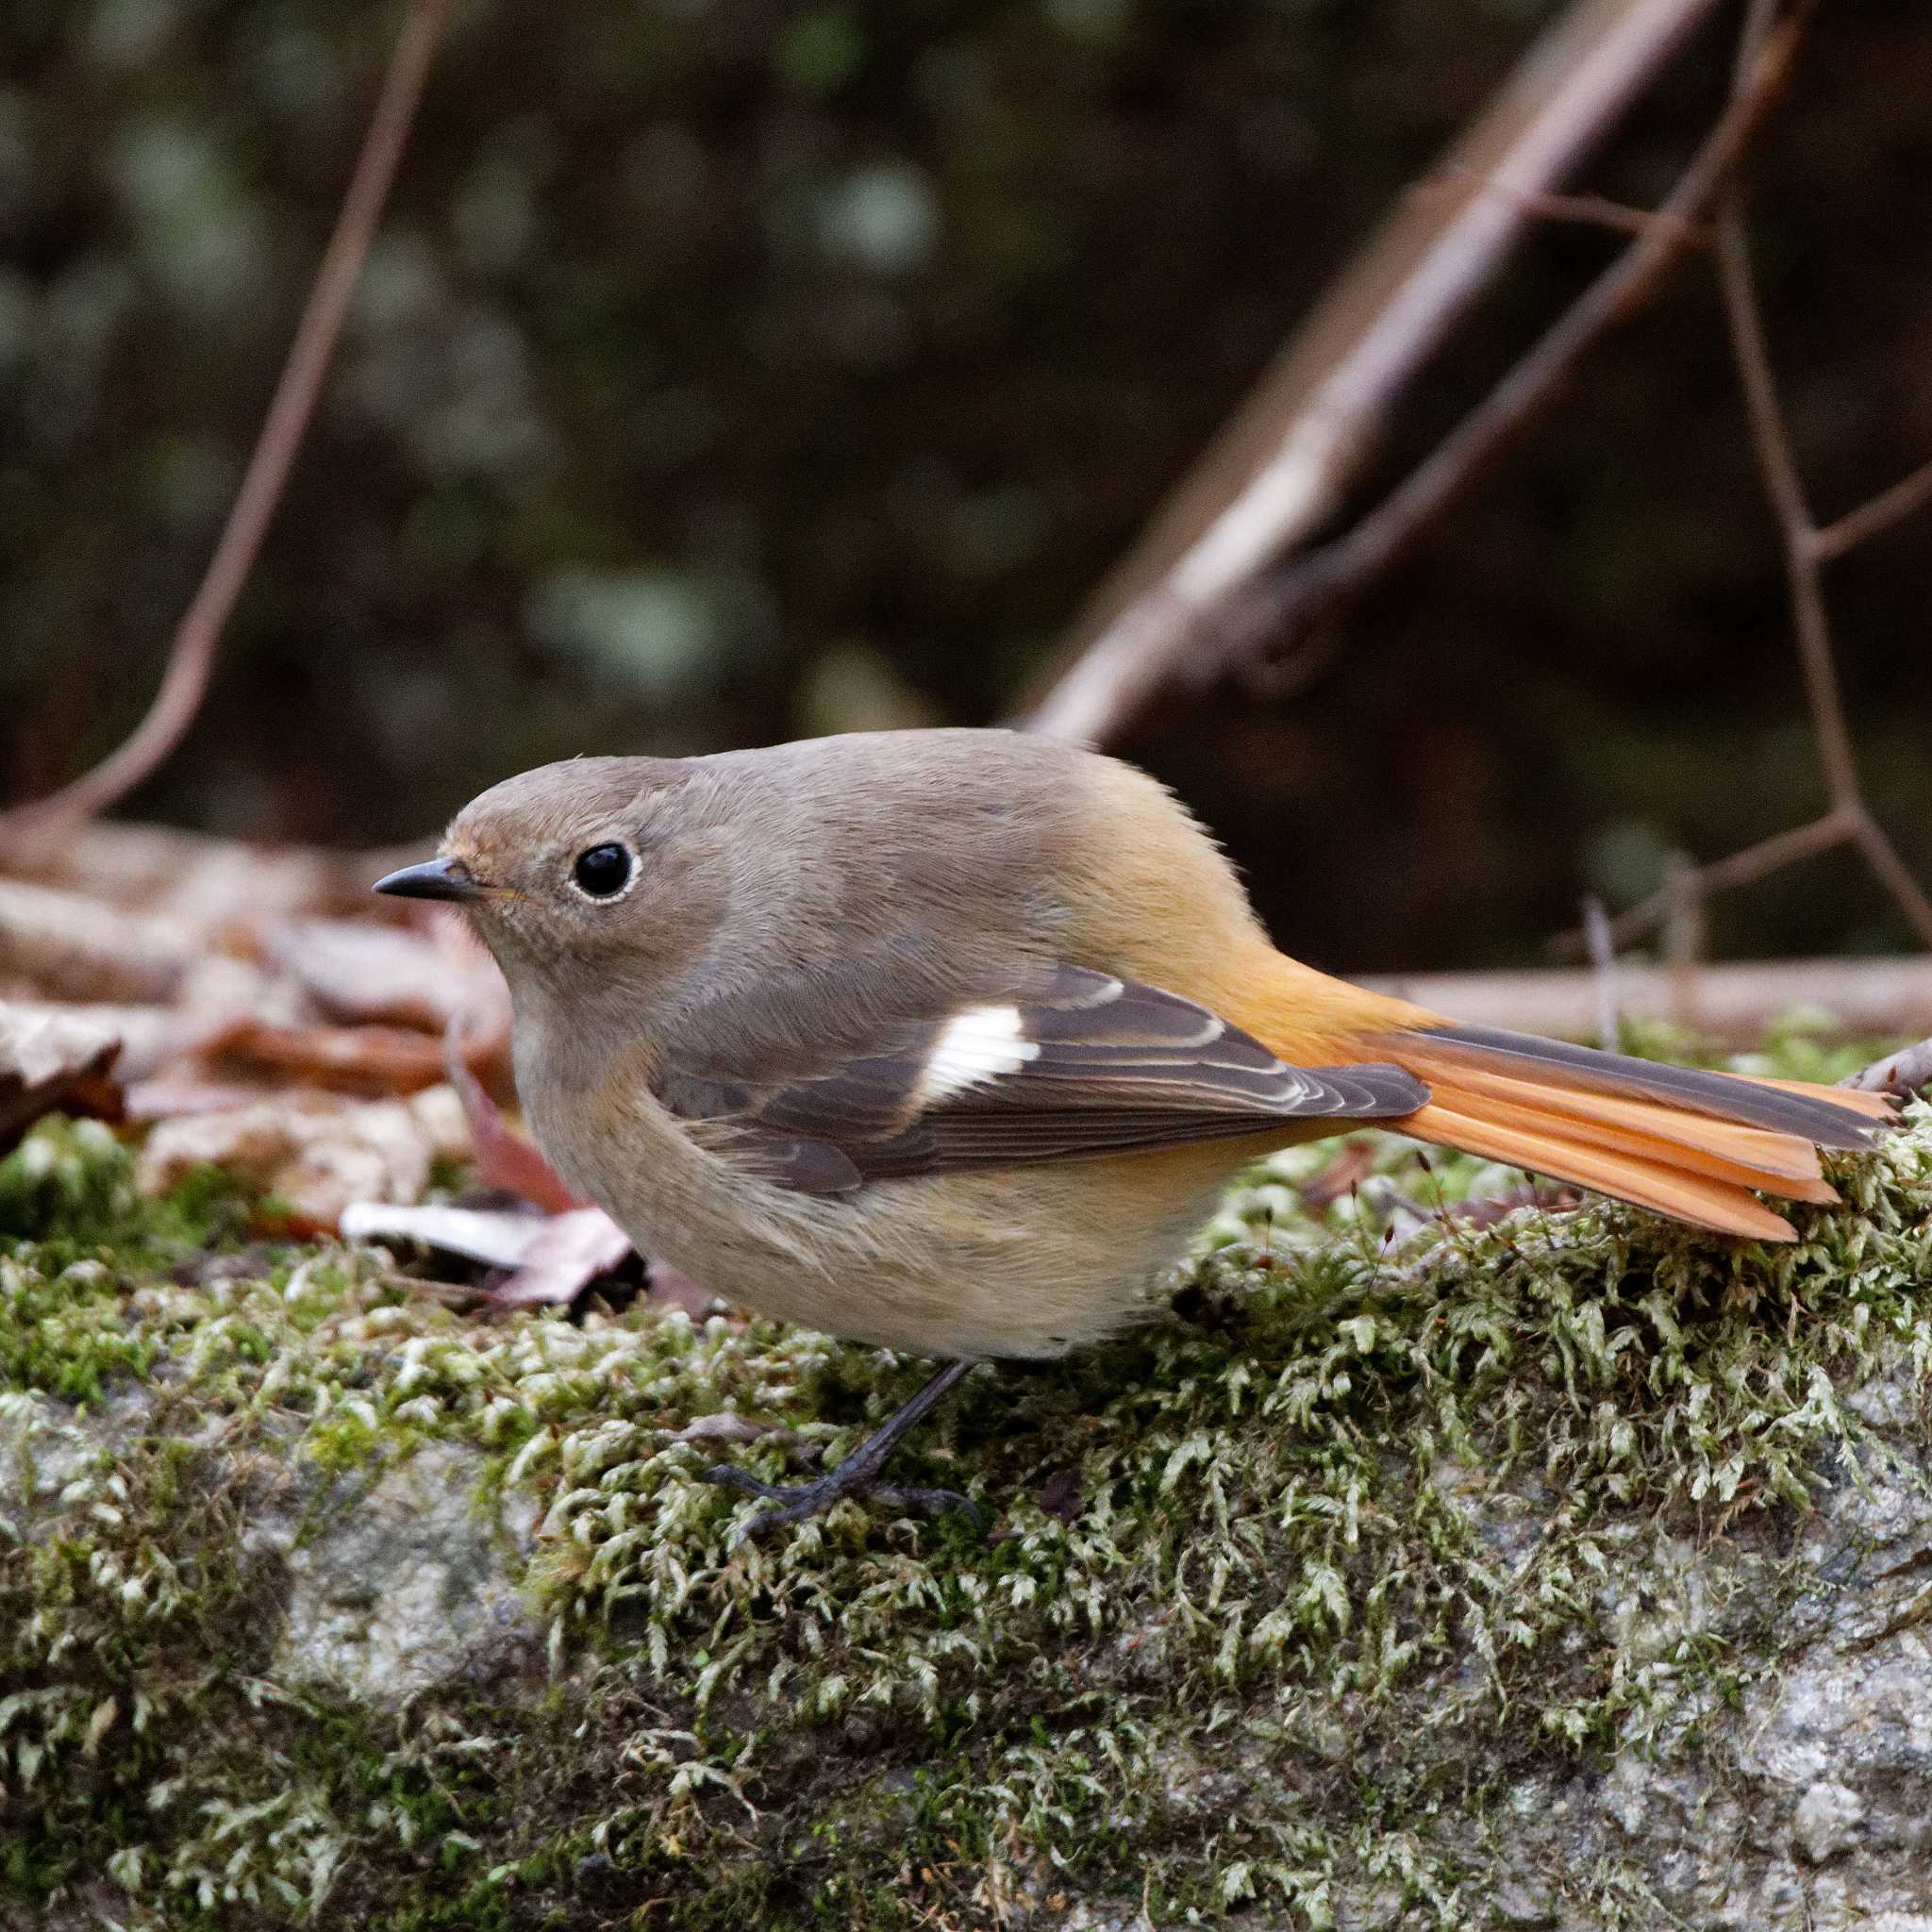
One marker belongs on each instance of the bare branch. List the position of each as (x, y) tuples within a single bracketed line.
[(1810, 619), (1194, 631), (1585, 211), (1740, 869), (1873, 518), (1313, 589), (1306, 433), (191, 655), (1786, 488), (1807, 549), (1894, 875), (1849, 822)]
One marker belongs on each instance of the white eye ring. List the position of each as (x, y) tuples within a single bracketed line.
[(603, 873)]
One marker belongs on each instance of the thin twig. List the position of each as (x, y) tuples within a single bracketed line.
[(1872, 518), (1894, 875), (1315, 588), (1783, 485), (1740, 869), (1307, 432), (1683, 938), (1807, 549), (190, 656), (1581, 211), (1603, 965)]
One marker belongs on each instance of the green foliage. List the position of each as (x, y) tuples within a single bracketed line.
[(1283, 1595)]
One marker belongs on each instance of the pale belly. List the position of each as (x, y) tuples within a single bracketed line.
[(990, 1262)]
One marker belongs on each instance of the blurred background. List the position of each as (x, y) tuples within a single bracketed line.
[(729, 371)]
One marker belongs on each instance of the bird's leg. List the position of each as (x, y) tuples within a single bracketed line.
[(857, 1476)]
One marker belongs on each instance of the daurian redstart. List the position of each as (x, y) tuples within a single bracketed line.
[(950, 1039)]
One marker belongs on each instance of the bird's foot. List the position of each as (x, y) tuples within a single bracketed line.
[(798, 1503), (859, 1475)]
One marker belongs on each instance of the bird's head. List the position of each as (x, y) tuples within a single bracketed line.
[(586, 878)]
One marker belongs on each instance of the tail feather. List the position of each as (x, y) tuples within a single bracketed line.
[(1694, 1144), (1783, 1156), (1563, 1135), (1877, 1106), (1658, 1183), (1784, 1107)]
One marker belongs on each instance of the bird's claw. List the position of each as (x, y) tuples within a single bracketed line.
[(799, 1502)]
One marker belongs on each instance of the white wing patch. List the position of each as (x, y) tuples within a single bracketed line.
[(982, 1044)]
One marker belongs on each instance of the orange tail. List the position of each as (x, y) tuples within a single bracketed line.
[(1693, 1145), (1698, 1145)]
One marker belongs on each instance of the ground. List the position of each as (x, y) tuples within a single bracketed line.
[(1562, 1571)]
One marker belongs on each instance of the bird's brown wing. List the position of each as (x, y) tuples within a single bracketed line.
[(1080, 1064)]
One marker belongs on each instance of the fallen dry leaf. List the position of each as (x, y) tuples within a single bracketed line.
[(148, 1035), (674, 1289), (316, 1151), (504, 1157), (1060, 1496), (208, 882), (571, 1252), (497, 1237), (359, 1059), (549, 1258), (69, 947), (358, 972), (727, 1425), (167, 1096), (52, 1060)]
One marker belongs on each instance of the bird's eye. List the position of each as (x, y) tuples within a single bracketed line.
[(603, 871)]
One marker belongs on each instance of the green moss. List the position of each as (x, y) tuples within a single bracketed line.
[(71, 1177), (52, 1336), (1282, 1599), (209, 1208), (72, 1183)]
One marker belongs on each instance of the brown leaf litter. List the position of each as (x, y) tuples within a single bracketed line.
[(257, 1010)]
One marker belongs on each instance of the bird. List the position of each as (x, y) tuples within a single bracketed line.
[(949, 1040)]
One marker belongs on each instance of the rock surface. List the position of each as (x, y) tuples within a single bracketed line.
[(408, 1586), (1577, 1574)]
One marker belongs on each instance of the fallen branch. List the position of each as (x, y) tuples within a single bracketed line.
[(191, 658), (1733, 1003)]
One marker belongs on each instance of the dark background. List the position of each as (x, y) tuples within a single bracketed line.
[(729, 371)]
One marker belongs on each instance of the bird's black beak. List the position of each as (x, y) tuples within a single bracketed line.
[(434, 878)]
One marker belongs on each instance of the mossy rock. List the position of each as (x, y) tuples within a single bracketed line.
[(1561, 1571)]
